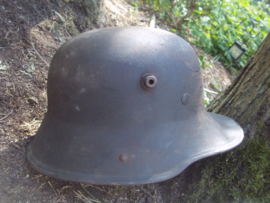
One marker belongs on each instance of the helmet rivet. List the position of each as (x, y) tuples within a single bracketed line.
[(123, 157), (149, 81), (185, 98)]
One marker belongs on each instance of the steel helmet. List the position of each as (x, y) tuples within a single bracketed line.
[(125, 106)]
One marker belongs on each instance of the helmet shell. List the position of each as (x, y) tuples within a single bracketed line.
[(125, 106)]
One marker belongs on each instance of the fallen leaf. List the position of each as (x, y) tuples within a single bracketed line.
[(33, 100)]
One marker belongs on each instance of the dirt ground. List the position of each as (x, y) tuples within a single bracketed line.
[(30, 33)]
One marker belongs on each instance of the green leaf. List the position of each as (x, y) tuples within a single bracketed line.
[(173, 30), (228, 21), (155, 7), (198, 12), (133, 3), (202, 61), (215, 23), (59, 15), (177, 13)]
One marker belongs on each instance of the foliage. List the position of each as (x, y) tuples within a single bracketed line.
[(215, 25), (177, 11), (207, 66), (239, 176), (230, 21), (207, 99)]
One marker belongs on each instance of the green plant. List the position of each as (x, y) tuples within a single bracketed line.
[(229, 21), (215, 25), (207, 99), (134, 3), (179, 11), (202, 61)]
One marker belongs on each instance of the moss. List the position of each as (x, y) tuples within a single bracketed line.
[(260, 125), (237, 176)]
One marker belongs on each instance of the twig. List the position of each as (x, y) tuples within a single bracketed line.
[(60, 198), (146, 192), (83, 198), (21, 150), (41, 186), (17, 147), (67, 32), (210, 91), (153, 21), (7, 115), (6, 170), (102, 190), (52, 187), (94, 199), (40, 55), (19, 91)]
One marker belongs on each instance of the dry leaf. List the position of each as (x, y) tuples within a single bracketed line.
[(33, 100)]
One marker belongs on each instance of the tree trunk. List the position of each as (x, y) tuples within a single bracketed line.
[(241, 174), (191, 6), (247, 99), (92, 8)]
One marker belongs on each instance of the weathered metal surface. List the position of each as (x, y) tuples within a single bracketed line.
[(108, 124)]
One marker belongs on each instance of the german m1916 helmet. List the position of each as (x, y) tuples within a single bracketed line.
[(125, 106)]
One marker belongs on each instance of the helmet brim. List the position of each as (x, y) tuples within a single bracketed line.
[(90, 154)]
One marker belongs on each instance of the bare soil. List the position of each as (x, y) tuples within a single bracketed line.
[(30, 33)]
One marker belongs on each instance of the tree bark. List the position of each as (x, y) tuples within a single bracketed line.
[(191, 6), (247, 101), (91, 7)]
